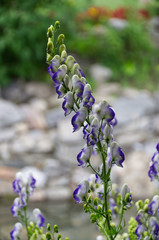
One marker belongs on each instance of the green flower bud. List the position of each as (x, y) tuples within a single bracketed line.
[(59, 236), (99, 208), (48, 57), (48, 227), (50, 32), (116, 210), (57, 25), (119, 199), (63, 55), (56, 229), (145, 207), (66, 238), (95, 202), (60, 39), (93, 218), (89, 199), (127, 197), (139, 204), (86, 208), (62, 48), (48, 236), (43, 237), (147, 201), (50, 47), (34, 236)]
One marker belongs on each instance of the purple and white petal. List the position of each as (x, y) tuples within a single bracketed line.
[(14, 234), (68, 103), (38, 217), (84, 155), (79, 118), (117, 154), (81, 191), (153, 206)]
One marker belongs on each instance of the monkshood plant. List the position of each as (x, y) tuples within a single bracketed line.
[(99, 196)]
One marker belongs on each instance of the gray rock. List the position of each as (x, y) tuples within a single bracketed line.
[(36, 141), (9, 113), (58, 194), (53, 117), (7, 134), (39, 104), (128, 109), (135, 174)]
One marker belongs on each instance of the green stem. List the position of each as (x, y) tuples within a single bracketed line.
[(26, 221), (105, 182)]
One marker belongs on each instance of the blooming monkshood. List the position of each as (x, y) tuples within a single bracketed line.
[(24, 185), (97, 121)]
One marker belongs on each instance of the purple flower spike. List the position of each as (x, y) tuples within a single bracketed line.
[(117, 154), (84, 156), (68, 103), (79, 118), (14, 234), (81, 191), (39, 219)]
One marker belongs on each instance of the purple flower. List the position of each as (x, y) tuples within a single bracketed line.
[(154, 206), (16, 207), (88, 99), (60, 90), (154, 170), (14, 234), (55, 63), (117, 154), (156, 154), (92, 137), (79, 118), (154, 165), (68, 103), (155, 227), (105, 111), (140, 230), (39, 219), (78, 86), (84, 155), (81, 191), (58, 76), (140, 217)]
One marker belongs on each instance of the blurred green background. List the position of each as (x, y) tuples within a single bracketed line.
[(129, 49)]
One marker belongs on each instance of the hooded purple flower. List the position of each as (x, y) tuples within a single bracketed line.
[(88, 99), (79, 118), (84, 155), (117, 154), (68, 103), (153, 172), (14, 234), (55, 63), (39, 219), (153, 207), (78, 86), (58, 76), (81, 191)]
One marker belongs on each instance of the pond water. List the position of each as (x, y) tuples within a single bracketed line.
[(70, 218)]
